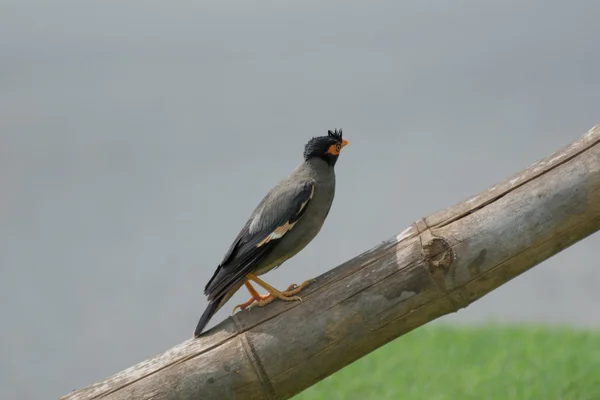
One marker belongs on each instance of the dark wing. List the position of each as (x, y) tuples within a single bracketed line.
[(276, 215)]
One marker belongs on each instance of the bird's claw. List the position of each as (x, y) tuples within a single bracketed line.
[(293, 289), (286, 295), (250, 303), (269, 299)]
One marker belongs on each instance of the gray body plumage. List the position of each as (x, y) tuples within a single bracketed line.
[(304, 231), (312, 183)]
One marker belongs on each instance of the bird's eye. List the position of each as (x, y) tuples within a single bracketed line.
[(338, 147)]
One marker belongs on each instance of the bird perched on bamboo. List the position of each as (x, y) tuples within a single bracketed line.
[(284, 222)]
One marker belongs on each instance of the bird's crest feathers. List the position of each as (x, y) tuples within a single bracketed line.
[(335, 134)]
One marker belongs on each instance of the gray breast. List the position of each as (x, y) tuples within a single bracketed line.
[(312, 221)]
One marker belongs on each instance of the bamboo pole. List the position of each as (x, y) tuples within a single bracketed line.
[(436, 266)]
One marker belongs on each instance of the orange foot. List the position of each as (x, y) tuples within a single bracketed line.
[(261, 301)]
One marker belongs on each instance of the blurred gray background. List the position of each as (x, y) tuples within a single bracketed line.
[(136, 138)]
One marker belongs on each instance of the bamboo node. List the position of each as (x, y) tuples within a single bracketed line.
[(438, 253)]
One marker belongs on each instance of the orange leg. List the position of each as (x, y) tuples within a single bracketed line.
[(255, 296), (287, 295)]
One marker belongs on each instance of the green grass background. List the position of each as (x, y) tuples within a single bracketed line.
[(438, 362)]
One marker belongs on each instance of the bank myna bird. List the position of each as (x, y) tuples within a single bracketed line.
[(283, 223)]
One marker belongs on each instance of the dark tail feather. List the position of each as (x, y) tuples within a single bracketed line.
[(211, 309)]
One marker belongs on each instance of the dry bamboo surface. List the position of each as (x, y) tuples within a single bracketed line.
[(436, 266)]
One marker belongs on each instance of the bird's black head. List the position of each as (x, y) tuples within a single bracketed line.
[(325, 147)]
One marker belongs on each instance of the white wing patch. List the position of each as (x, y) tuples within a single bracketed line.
[(285, 228), (277, 233)]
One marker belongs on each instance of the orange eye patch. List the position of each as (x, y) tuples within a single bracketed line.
[(334, 149)]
